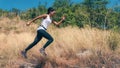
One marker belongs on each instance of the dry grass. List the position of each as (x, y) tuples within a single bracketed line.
[(72, 47)]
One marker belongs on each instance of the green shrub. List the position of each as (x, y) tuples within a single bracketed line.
[(113, 41)]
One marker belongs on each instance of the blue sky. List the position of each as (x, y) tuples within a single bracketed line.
[(26, 4)]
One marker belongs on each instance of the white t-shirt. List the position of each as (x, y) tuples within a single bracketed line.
[(45, 23)]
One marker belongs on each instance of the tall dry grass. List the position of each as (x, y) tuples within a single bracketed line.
[(72, 47)]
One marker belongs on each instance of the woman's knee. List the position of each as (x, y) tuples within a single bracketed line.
[(51, 39)]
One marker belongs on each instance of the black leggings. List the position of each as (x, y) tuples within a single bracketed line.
[(41, 33)]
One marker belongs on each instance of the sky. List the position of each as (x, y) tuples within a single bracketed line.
[(26, 4)]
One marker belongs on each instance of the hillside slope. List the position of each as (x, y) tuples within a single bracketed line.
[(72, 47)]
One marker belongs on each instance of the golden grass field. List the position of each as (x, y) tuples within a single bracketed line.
[(72, 47)]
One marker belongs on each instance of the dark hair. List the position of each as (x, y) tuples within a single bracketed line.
[(50, 9)]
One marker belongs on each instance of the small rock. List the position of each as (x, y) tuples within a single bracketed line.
[(84, 53), (27, 65)]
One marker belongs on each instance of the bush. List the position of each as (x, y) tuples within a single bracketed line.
[(113, 41)]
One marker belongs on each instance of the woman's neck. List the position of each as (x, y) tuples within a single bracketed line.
[(50, 15)]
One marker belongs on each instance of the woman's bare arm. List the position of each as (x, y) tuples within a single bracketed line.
[(58, 23), (38, 17)]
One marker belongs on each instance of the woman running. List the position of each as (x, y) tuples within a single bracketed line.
[(41, 31)]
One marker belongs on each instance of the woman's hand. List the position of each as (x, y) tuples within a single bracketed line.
[(63, 17), (28, 23)]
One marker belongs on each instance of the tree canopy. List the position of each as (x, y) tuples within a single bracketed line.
[(93, 13)]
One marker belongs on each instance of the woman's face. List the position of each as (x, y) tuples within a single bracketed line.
[(52, 13)]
